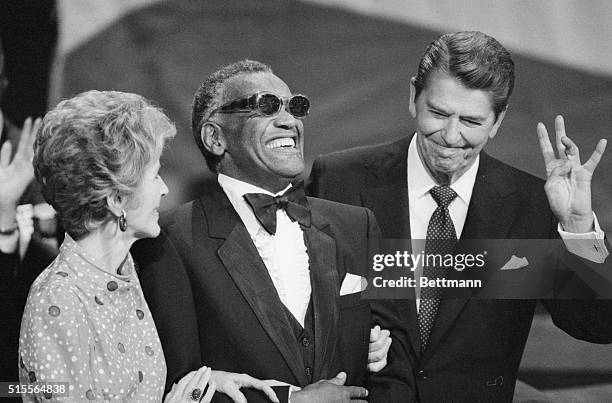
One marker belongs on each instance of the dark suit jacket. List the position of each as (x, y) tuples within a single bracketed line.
[(214, 302), (17, 275), (475, 348)]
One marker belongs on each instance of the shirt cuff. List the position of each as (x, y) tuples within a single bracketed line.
[(588, 245)]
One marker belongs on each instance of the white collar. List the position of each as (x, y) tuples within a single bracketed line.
[(235, 189)]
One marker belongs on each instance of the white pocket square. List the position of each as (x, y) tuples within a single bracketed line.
[(515, 263), (352, 283)]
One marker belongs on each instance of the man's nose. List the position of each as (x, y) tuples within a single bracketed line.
[(285, 119), (452, 131)]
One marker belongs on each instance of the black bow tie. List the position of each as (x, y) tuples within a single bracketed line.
[(293, 201)]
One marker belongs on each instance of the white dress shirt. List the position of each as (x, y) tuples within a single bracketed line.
[(422, 206), (284, 253)]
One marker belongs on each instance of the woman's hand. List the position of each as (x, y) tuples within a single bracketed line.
[(191, 386), (230, 384)]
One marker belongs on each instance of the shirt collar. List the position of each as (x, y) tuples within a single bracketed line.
[(235, 190), (420, 182), (91, 270)]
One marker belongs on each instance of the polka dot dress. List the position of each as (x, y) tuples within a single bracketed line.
[(92, 329)]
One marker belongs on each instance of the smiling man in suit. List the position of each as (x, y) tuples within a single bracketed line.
[(438, 184), (254, 277)]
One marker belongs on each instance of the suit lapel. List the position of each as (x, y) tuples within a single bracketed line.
[(243, 263), (325, 293), (388, 186), (492, 210), (493, 207)]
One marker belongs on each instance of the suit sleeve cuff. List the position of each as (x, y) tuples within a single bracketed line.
[(589, 245)]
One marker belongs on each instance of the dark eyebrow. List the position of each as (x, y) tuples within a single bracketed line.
[(474, 118), (478, 119), (430, 105)]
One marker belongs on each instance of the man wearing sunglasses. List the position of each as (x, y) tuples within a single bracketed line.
[(437, 184), (254, 277)]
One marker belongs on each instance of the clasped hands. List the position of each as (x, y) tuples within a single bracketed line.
[(568, 183), (327, 390), (333, 390)]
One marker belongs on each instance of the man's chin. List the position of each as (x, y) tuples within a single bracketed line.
[(290, 171)]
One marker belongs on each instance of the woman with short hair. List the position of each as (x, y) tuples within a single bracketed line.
[(86, 321)]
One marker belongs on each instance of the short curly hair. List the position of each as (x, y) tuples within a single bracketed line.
[(210, 96), (96, 145)]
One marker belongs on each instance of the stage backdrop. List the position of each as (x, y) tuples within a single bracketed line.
[(355, 68)]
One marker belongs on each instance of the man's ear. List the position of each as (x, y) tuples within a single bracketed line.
[(500, 119), (412, 106), (213, 139)]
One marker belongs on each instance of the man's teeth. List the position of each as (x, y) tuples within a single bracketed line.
[(282, 142)]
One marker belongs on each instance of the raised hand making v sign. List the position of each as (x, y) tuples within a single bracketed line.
[(16, 173), (568, 183)]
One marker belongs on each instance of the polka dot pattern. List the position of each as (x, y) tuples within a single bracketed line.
[(441, 239), (92, 328), (54, 311)]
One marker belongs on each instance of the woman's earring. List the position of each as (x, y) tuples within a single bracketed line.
[(123, 221)]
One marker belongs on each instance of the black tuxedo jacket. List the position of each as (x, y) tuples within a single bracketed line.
[(475, 348), (214, 302)]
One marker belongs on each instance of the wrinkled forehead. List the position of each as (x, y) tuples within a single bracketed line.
[(248, 84)]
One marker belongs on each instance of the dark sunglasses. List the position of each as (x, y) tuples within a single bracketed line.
[(267, 104)]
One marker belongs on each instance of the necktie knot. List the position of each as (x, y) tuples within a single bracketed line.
[(443, 195), (293, 202)]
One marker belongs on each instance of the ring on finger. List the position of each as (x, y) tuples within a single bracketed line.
[(196, 394)]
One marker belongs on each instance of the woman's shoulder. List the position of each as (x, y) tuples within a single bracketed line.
[(56, 284)]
